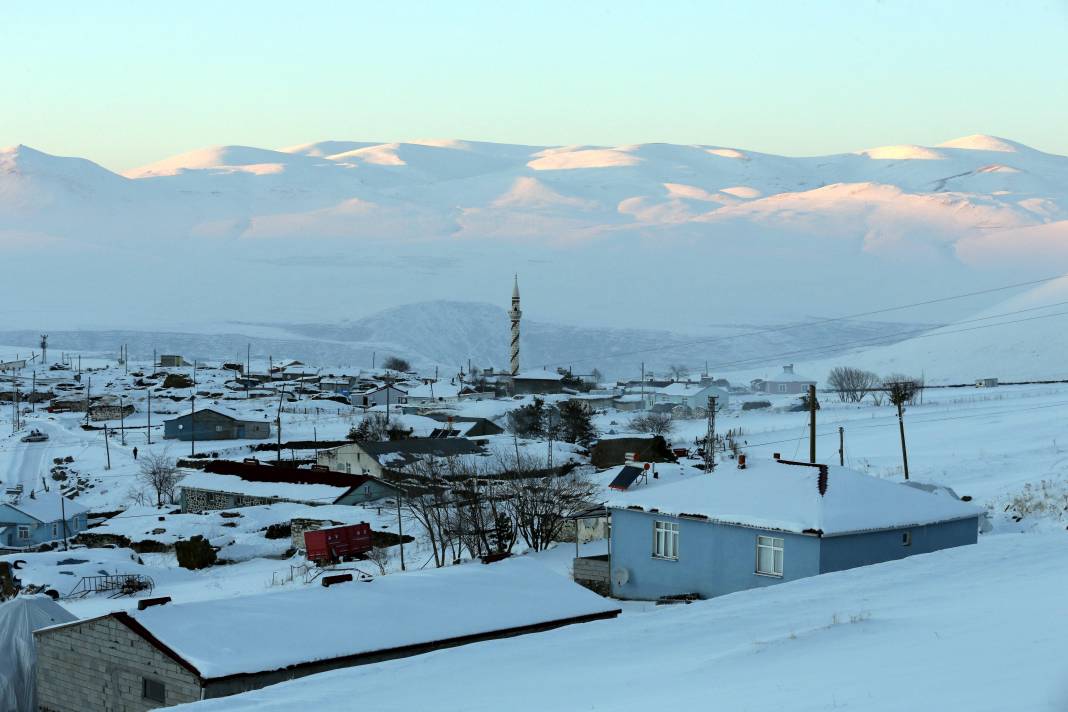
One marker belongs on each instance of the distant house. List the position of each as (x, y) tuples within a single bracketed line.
[(629, 402), (378, 395), (110, 408), (537, 382), (13, 365), (710, 535), (434, 393), (236, 484), (215, 424), (786, 382), (608, 452), (692, 395), (379, 458), (463, 426), (32, 521), (986, 383), (341, 385), (174, 653), (172, 361), (590, 402)]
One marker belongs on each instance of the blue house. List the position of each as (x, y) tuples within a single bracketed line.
[(731, 530), (30, 522)]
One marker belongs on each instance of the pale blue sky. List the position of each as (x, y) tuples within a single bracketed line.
[(126, 83)]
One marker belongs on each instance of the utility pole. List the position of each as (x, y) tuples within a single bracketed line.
[(643, 384), (248, 368), (122, 420), (812, 424), (710, 438), (107, 447), (63, 514), (88, 387), (33, 393), (400, 531), (279, 423), (44, 349), (193, 414), (901, 426), (841, 446), (149, 416)]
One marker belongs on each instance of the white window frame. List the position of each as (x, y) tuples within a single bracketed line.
[(906, 538), (23, 532), (783, 388), (776, 545), (666, 540), (55, 530)]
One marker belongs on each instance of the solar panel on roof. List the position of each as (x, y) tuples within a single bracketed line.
[(626, 477)]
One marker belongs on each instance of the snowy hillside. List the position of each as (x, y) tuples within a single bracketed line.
[(642, 236)]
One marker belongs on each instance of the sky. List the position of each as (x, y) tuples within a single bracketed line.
[(127, 83)]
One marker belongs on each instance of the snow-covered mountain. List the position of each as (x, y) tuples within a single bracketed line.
[(650, 236)]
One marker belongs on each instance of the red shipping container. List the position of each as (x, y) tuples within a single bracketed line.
[(338, 543)]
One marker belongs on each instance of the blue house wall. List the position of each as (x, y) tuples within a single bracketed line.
[(714, 559), (40, 533), (848, 551)]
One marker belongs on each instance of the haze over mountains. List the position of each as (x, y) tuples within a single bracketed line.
[(680, 239)]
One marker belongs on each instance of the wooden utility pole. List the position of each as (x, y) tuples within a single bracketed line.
[(149, 416), (33, 393), (812, 424), (63, 515), (107, 447), (841, 446), (278, 423), (88, 386), (901, 426), (193, 414), (122, 420), (248, 368), (400, 531)]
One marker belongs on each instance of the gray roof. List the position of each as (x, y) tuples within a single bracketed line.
[(441, 447)]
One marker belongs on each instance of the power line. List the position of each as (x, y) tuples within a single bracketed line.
[(805, 324)]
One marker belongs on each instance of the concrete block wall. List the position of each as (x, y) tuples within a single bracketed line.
[(99, 665)]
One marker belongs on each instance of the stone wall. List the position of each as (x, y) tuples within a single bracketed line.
[(201, 500), (99, 665)]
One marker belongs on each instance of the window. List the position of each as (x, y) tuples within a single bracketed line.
[(24, 532), (666, 540), (181, 427), (153, 690), (782, 388), (769, 556), (55, 530), (218, 428), (906, 538)]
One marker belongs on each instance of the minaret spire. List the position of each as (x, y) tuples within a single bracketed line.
[(515, 315)]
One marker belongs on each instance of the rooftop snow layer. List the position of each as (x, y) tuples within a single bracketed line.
[(282, 490), (771, 495), (46, 507), (270, 631)]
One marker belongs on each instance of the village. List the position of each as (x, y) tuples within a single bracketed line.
[(177, 530)]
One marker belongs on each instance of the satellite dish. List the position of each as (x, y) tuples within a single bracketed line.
[(620, 576)]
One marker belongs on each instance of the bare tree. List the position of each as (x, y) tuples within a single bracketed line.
[(851, 384), (379, 556), (653, 423), (372, 428), (159, 473), (540, 506)]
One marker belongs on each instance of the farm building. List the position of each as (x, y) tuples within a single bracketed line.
[(246, 485), (175, 653), (786, 382), (32, 521), (172, 361), (537, 382), (713, 534), (463, 426), (379, 458), (215, 423), (378, 395), (692, 395), (608, 452)]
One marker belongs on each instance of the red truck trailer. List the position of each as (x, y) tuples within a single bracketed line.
[(337, 543)]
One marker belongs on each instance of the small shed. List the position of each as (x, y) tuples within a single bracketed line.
[(215, 423)]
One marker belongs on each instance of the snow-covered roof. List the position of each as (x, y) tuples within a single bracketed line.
[(258, 633), (437, 390), (773, 495), (686, 389), (543, 375), (19, 617), (46, 507), (282, 490), (788, 376)]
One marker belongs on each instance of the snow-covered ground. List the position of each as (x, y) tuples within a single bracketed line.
[(973, 628)]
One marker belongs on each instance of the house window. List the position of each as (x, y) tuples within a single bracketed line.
[(55, 530), (24, 532), (153, 690), (782, 388), (348, 467), (769, 555), (218, 428), (181, 426), (666, 540), (906, 538)]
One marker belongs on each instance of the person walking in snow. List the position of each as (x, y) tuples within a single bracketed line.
[(135, 452)]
